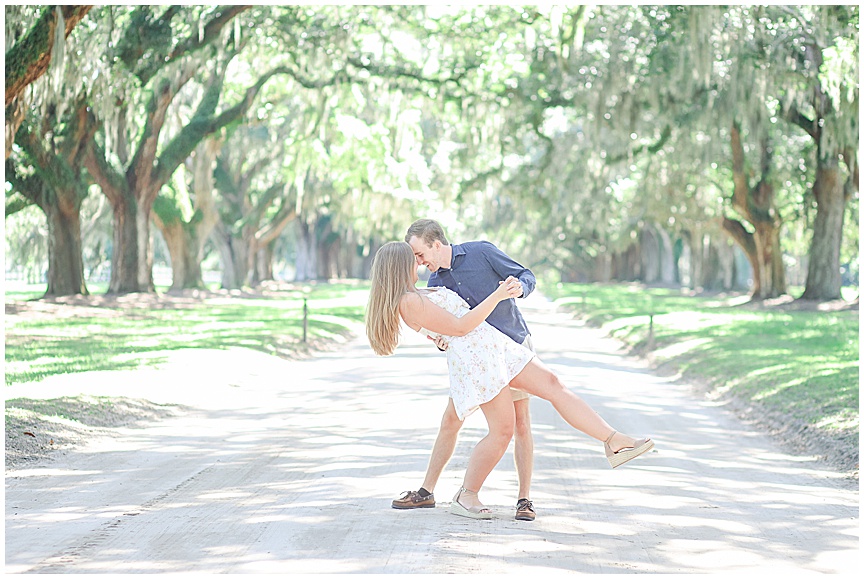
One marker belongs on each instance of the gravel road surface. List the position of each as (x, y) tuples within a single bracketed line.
[(290, 467)]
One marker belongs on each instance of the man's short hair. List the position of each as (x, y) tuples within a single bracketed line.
[(428, 231)]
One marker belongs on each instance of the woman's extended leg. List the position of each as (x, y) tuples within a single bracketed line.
[(488, 452), (536, 378)]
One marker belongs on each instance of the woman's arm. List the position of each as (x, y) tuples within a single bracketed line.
[(417, 311)]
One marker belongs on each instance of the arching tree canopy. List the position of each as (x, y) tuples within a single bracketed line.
[(696, 145)]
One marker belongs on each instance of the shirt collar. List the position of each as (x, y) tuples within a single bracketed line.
[(458, 250)]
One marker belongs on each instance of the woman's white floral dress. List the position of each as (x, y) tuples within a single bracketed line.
[(480, 363)]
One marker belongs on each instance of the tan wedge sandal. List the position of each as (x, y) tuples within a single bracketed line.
[(616, 459), (477, 512)]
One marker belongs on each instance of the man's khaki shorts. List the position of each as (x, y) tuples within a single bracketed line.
[(518, 394)]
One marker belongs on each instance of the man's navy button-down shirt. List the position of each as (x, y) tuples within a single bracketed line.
[(475, 270)]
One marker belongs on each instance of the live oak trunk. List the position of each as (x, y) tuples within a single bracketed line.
[(185, 248), (65, 261), (252, 220), (186, 238), (657, 261), (133, 193), (823, 274), (261, 242), (53, 181), (756, 204), (649, 253), (697, 258), (831, 188), (232, 255), (306, 265), (125, 259), (263, 265), (667, 258)]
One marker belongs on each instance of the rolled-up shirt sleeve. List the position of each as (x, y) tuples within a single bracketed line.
[(505, 266)]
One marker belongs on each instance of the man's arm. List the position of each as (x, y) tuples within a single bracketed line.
[(506, 266)]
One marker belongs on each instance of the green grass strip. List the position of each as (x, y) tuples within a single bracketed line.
[(801, 363), (128, 337)]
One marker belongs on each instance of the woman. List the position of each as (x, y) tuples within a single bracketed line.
[(481, 362)]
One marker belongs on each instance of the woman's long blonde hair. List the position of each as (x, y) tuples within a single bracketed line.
[(391, 278)]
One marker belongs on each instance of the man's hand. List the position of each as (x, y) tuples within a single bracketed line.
[(440, 342)]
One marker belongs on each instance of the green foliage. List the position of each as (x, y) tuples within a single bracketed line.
[(560, 132), (804, 364), (147, 41), (167, 208)]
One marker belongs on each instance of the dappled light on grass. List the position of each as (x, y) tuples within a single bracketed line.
[(680, 348), (125, 333), (792, 360)]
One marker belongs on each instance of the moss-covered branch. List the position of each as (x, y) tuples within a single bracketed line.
[(395, 71), (204, 123), (26, 190), (31, 56), (16, 202), (148, 46)]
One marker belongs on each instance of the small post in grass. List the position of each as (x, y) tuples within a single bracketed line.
[(651, 329), (650, 322), (305, 313)]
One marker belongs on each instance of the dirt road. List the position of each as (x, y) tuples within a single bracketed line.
[(290, 467)]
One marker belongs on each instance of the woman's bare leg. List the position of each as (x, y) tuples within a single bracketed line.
[(537, 379), (488, 452)]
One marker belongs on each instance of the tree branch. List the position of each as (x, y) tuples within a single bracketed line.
[(794, 116), (651, 148), (479, 178), (741, 189), (26, 190), (274, 228), (203, 125), (143, 32), (224, 14), (401, 72), (149, 180), (264, 203), (111, 182), (742, 237), (81, 130), (31, 56), (16, 202)]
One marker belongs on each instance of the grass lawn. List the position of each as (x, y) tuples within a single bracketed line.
[(804, 364), (48, 338)]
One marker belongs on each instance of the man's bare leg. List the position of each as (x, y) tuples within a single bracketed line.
[(523, 448), (444, 446), (442, 451), (523, 455)]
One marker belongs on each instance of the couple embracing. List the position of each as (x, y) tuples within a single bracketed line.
[(468, 310)]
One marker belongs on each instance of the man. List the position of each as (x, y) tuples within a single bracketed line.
[(473, 270)]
